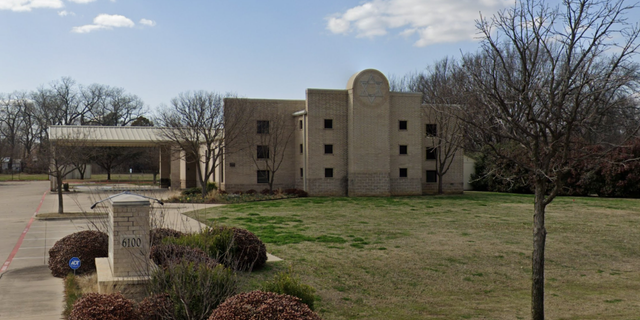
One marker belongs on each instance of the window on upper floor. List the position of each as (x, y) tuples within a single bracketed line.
[(300, 124), (301, 148), (328, 149), (403, 149), (328, 123), (432, 153), (431, 130), (404, 172), (402, 125), (263, 127), (263, 152)]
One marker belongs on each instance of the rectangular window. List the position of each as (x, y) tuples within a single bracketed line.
[(403, 173), (402, 125), (263, 152), (432, 130), (301, 173), (432, 176), (263, 126), (403, 149), (300, 124), (328, 172), (328, 123), (328, 149), (432, 153), (263, 176), (301, 148)]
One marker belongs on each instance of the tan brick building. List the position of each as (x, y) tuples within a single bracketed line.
[(362, 141)]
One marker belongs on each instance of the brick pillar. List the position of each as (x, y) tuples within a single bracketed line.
[(129, 236)]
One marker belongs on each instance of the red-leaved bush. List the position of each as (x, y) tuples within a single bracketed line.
[(96, 306), (263, 305)]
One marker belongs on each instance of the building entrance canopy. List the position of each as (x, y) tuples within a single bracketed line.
[(100, 136)]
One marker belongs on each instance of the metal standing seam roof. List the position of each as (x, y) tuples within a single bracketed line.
[(109, 136)]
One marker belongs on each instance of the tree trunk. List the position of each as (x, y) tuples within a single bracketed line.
[(59, 183), (440, 184), (537, 258), (109, 174)]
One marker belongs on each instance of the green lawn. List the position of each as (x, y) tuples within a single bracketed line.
[(23, 177), (450, 257), (118, 177)]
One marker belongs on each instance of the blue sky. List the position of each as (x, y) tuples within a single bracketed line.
[(257, 49)]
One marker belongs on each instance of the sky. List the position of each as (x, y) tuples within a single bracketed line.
[(253, 48)]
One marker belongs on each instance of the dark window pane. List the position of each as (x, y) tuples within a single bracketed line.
[(403, 149), (301, 148), (301, 173), (328, 123), (402, 125), (328, 149), (403, 173), (300, 124), (432, 153), (432, 130), (263, 176), (263, 152), (328, 172), (263, 126), (432, 176)]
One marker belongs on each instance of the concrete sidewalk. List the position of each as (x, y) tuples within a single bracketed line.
[(27, 288)]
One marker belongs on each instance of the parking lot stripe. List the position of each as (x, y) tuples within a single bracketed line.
[(6, 264)]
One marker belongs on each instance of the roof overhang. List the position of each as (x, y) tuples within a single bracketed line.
[(109, 136)]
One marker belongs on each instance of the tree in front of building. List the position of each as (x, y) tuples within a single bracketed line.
[(548, 80), (268, 145), (195, 122)]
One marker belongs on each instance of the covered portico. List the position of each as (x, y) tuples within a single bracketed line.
[(176, 169)]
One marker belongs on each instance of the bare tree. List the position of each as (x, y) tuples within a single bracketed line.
[(196, 123), (110, 157), (547, 80), (268, 147), (447, 137), (10, 123), (443, 89), (62, 152)]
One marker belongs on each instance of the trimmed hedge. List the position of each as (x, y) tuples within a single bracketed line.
[(156, 307), (96, 306), (166, 254), (263, 305), (249, 252), (157, 235), (234, 247), (85, 245)]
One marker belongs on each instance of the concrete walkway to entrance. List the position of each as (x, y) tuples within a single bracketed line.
[(27, 288)]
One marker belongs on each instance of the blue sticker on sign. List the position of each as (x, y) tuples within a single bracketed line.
[(74, 263)]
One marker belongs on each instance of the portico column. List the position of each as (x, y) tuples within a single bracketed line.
[(165, 166)]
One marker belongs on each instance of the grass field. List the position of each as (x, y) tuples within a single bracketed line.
[(450, 257), (115, 177), (23, 177)]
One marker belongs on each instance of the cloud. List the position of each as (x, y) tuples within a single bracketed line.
[(65, 13), (82, 1), (105, 21), (147, 22), (28, 5), (432, 21)]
